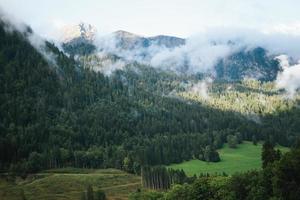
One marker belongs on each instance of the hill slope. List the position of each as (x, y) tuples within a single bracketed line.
[(58, 113), (70, 184)]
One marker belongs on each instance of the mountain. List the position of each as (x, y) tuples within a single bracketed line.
[(59, 114), (254, 63), (81, 32), (129, 41), (167, 41), (128, 48), (126, 40), (68, 113), (79, 39)]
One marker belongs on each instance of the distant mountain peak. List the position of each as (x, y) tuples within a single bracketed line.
[(79, 38), (125, 34), (168, 41), (131, 40), (81, 31)]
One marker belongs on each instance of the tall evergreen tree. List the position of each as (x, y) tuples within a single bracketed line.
[(269, 154)]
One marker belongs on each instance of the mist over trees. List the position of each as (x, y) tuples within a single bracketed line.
[(62, 114), (56, 113)]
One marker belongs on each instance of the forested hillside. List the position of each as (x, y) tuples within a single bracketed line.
[(60, 113)]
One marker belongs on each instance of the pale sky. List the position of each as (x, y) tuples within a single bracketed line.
[(152, 17)]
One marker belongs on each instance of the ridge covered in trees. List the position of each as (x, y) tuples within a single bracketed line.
[(59, 113)]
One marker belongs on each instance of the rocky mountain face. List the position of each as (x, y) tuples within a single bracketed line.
[(126, 40), (79, 40), (81, 32)]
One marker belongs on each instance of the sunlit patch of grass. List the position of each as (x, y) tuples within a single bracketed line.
[(243, 158)]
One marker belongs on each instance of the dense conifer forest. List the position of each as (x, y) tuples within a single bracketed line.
[(56, 112)]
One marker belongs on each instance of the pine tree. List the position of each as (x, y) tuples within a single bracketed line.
[(269, 154)]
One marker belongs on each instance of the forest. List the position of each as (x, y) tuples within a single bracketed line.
[(55, 112), (59, 114)]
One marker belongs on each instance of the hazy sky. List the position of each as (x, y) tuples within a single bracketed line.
[(152, 17)]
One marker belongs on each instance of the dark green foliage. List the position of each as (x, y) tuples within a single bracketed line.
[(248, 63), (232, 141), (72, 116), (278, 180), (155, 178), (178, 192), (254, 140), (269, 154), (211, 155), (58, 114), (286, 180), (203, 188), (79, 48), (161, 178), (35, 162), (100, 195), (247, 186), (200, 189), (152, 195)]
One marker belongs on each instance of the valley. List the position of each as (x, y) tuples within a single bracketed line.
[(124, 116)]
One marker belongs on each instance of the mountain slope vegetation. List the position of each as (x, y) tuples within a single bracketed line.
[(59, 113)]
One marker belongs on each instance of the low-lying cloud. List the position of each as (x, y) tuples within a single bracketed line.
[(201, 88), (202, 51), (289, 78), (13, 24)]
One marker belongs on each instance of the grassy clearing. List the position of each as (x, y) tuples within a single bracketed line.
[(69, 184), (245, 157)]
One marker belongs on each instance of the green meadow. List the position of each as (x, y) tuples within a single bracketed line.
[(69, 183), (243, 158)]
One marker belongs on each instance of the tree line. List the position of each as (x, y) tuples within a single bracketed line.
[(161, 178), (278, 179)]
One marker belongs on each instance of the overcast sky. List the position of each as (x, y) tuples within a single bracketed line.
[(151, 17)]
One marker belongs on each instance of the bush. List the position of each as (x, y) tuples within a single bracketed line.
[(232, 141)]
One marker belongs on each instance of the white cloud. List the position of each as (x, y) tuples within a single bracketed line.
[(201, 88), (202, 51), (197, 55), (287, 29), (35, 40), (289, 78)]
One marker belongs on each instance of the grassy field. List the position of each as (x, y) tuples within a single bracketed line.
[(69, 183), (245, 157)]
